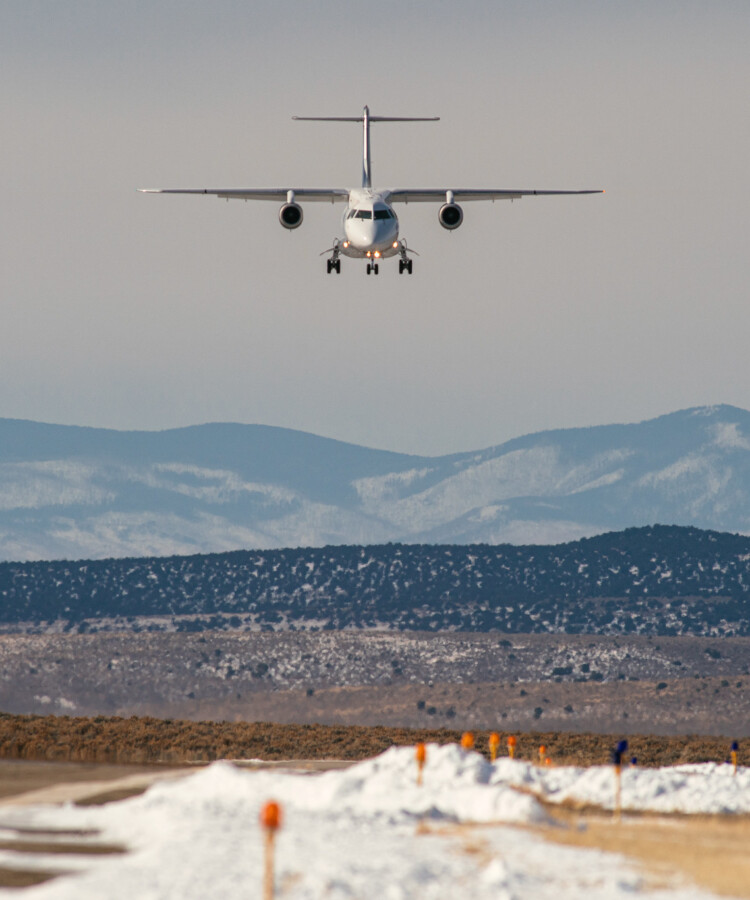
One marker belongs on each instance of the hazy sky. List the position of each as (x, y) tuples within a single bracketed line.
[(127, 310)]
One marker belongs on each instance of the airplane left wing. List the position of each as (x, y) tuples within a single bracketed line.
[(319, 195), (438, 195)]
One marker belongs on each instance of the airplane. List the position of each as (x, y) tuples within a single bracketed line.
[(370, 223)]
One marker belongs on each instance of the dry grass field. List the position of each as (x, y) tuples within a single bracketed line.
[(144, 740)]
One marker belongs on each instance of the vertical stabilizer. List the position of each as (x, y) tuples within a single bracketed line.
[(366, 162)]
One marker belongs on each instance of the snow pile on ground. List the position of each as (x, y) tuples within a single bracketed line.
[(364, 832), (455, 787), (706, 788)]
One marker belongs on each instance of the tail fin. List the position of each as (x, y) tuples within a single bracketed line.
[(365, 118)]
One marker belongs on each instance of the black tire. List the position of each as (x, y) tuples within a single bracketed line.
[(369, 268), (338, 266), (376, 269), (328, 266), (409, 266)]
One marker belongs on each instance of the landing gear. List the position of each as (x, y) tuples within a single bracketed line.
[(404, 264), (372, 268), (333, 263)]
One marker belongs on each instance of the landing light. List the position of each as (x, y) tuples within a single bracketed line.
[(369, 254), (394, 244), (346, 244), (377, 254)]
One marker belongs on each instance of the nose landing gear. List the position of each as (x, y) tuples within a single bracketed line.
[(372, 268)]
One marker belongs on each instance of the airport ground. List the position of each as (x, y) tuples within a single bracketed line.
[(707, 850)]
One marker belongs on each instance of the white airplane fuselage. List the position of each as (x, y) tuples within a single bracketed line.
[(370, 225)]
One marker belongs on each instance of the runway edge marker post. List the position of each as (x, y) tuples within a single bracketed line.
[(617, 755), (420, 754), (270, 820)]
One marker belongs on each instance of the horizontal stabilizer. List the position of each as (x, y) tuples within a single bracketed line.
[(369, 118), (366, 119)]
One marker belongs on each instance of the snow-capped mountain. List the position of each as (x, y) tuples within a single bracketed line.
[(69, 492)]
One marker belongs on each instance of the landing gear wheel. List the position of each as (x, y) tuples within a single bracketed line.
[(369, 268), (375, 269), (409, 264), (329, 266), (338, 266)]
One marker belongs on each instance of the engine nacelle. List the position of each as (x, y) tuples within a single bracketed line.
[(450, 216), (290, 215)]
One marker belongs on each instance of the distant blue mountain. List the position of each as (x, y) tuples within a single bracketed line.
[(69, 492)]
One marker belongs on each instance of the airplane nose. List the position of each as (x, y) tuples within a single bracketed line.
[(368, 234)]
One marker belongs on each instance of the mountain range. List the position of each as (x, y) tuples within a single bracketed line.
[(68, 492)]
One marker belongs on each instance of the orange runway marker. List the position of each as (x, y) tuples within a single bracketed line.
[(420, 753), (467, 740), (494, 742), (512, 746), (270, 820)]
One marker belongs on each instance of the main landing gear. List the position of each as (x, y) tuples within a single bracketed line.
[(404, 263), (333, 263)]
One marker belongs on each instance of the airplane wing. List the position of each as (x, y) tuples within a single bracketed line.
[(319, 195), (436, 195)]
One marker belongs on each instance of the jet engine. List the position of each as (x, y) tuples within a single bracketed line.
[(290, 215), (450, 216)]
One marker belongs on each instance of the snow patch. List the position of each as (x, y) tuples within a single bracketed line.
[(727, 436)]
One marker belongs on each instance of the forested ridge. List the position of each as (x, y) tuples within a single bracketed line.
[(658, 579)]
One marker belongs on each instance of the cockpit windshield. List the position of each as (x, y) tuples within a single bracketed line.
[(380, 212)]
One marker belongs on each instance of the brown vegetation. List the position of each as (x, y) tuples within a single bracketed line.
[(147, 740)]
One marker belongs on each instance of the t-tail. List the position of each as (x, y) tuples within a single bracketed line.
[(366, 119)]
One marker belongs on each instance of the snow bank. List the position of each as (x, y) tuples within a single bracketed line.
[(707, 788), (356, 833), (455, 786)]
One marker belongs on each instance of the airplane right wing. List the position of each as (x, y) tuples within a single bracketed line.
[(438, 195)]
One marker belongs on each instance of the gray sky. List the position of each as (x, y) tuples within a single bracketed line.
[(132, 311)]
